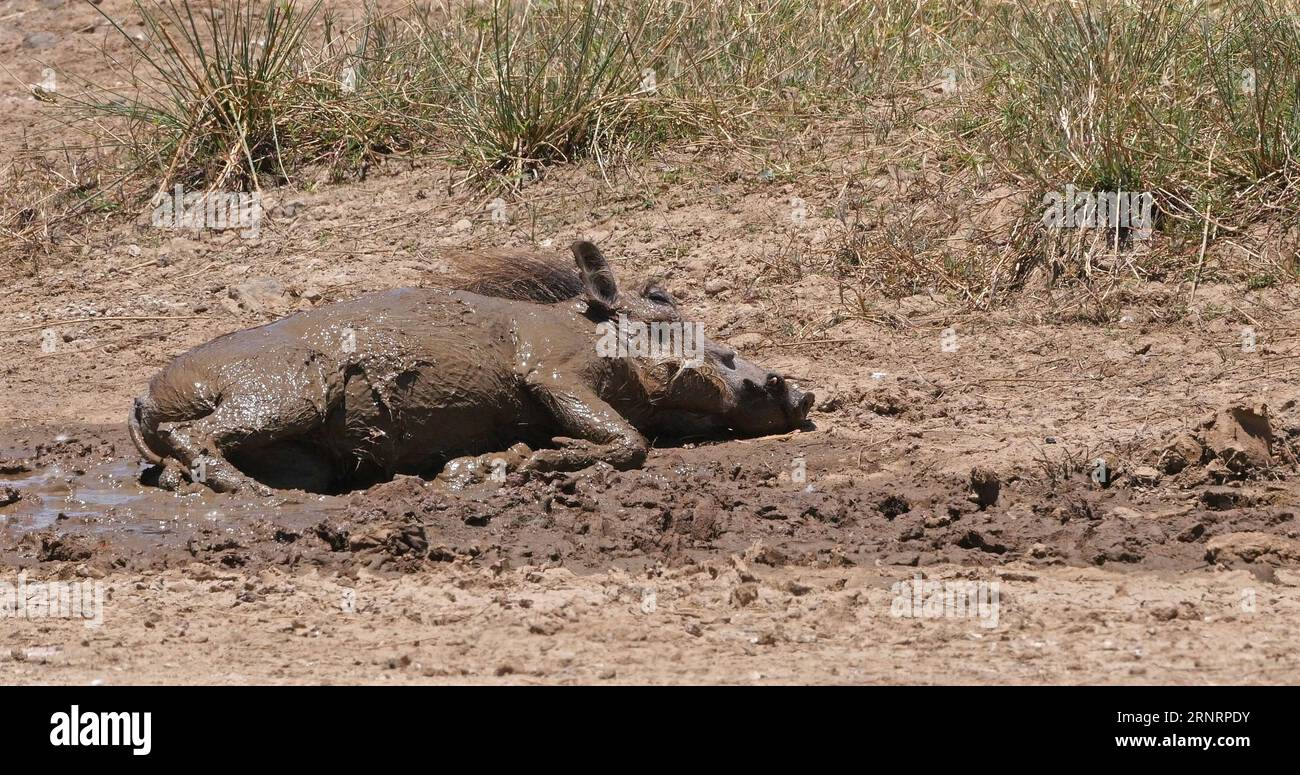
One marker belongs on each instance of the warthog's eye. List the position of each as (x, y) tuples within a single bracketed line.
[(774, 380), (659, 296)]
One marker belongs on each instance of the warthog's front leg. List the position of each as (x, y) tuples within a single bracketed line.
[(591, 431)]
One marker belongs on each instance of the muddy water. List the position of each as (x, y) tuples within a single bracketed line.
[(78, 488), (54, 493)]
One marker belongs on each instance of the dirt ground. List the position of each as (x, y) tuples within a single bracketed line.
[(950, 445)]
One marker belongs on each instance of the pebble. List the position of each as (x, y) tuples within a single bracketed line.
[(40, 40)]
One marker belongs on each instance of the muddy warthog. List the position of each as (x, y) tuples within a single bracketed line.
[(417, 380)]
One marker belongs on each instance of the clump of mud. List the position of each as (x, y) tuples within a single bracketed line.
[(1238, 443), (1253, 548)]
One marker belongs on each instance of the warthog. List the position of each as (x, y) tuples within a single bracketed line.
[(413, 381)]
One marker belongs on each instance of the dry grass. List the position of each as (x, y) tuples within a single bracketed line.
[(1195, 103)]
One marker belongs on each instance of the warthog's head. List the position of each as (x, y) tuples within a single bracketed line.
[(694, 386)]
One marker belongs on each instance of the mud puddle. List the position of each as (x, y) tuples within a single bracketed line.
[(79, 500), (78, 497), (52, 494)]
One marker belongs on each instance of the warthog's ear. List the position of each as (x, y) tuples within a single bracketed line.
[(597, 278)]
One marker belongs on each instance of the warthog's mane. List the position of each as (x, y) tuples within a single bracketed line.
[(522, 275), (519, 275)]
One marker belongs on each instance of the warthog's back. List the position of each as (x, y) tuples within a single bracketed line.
[(398, 379)]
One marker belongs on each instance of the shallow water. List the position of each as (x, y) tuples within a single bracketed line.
[(55, 492), (107, 497)]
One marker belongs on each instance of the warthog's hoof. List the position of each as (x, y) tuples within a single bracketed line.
[(172, 478)]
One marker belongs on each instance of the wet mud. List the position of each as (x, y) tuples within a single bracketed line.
[(800, 499)]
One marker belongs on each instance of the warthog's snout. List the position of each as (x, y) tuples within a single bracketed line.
[(765, 401), (801, 404), (794, 402)]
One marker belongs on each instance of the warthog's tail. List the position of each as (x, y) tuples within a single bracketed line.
[(143, 423)]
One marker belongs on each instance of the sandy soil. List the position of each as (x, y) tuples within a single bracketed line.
[(759, 560)]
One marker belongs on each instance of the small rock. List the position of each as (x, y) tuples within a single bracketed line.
[(9, 495), (1240, 436), (744, 594), (260, 294), (1165, 612), (797, 589), (1145, 476), (544, 626), (1182, 452), (40, 40), (89, 571), (935, 521), (830, 402), (1217, 471), (985, 486)]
